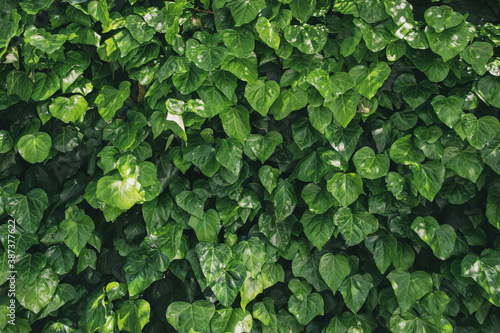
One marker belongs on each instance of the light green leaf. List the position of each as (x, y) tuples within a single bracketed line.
[(429, 177), (139, 30), (262, 94), (309, 39), (231, 320), (236, 122), (205, 57), (68, 109), (263, 146), (287, 102), (477, 54), (240, 42), (213, 260), (35, 148), (346, 187), (409, 287), (368, 80), (243, 68), (306, 310), (451, 41), (188, 318), (354, 227), (442, 17), (244, 11), (34, 296), (269, 32), (369, 165), (302, 9), (111, 99), (344, 107), (34, 7), (264, 311), (119, 193), (484, 270), (403, 151), (45, 85), (228, 153), (132, 315)]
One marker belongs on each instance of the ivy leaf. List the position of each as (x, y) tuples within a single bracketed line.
[(35, 148), (28, 210), (493, 207), (448, 109), (318, 228), (368, 80), (243, 68), (228, 153), (236, 122), (477, 54), (262, 94), (344, 140), (480, 131), (191, 203), (78, 227), (111, 99), (441, 238), (269, 177), (133, 315), (302, 9), (45, 85), (307, 309), (442, 17), (466, 163), (415, 94), (243, 11), (207, 228), (263, 146), (344, 107), (228, 284), (140, 31), (403, 151), (141, 272), (484, 270), (429, 177), (68, 109), (277, 232), (30, 266), (451, 41), (318, 200), (34, 7), (383, 249), (34, 296), (354, 227), (346, 187), (334, 269), (284, 200), (309, 39), (18, 83), (369, 165), (355, 290), (119, 193), (186, 317), (230, 320), (205, 57), (308, 268), (287, 102), (268, 32), (240, 42), (189, 78), (435, 303), (264, 311), (60, 258), (488, 87), (213, 260), (409, 287)]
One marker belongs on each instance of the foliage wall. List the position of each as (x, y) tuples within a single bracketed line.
[(250, 165)]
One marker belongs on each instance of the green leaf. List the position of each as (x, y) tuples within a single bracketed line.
[(18, 83), (488, 88), (448, 109), (435, 303), (284, 200), (213, 260), (303, 133), (119, 193), (302, 9), (437, 71), (231, 320), (429, 177), (318, 200), (115, 290), (142, 271), (442, 17), (354, 227), (269, 32), (441, 238), (228, 153), (477, 54), (243, 68), (466, 163), (263, 146), (45, 85), (306, 310), (493, 207), (68, 109), (236, 123), (344, 140), (369, 165), (480, 131), (189, 78), (132, 315), (30, 266), (207, 228), (78, 227), (287, 102), (191, 203), (346, 187), (186, 318), (309, 39), (240, 42), (355, 290), (308, 268), (60, 258), (6, 142), (139, 30), (264, 311), (403, 151), (204, 157), (34, 296), (484, 270), (368, 80), (111, 99), (344, 107), (28, 210), (34, 7), (262, 94), (318, 228), (334, 269), (269, 177), (277, 232), (244, 11), (409, 287), (451, 41), (228, 284), (205, 57), (413, 93), (383, 249), (252, 253), (35, 148)]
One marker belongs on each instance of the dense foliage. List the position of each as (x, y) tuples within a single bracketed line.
[(250, 165)]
